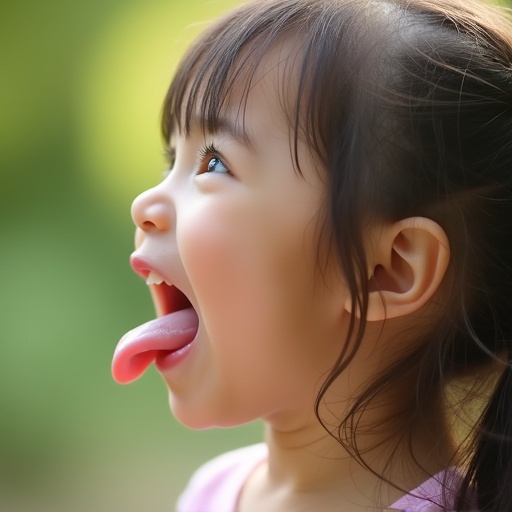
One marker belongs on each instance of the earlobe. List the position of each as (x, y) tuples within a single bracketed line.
[(409, 262)]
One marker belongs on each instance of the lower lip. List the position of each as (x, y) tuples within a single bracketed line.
[(166, 360)]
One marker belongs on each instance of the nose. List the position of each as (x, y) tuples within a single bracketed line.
[(152, 211)]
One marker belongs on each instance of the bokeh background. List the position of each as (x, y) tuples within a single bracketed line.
[(81, 87)]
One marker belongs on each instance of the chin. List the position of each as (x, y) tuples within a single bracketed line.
[(195, 418), (203, 418)]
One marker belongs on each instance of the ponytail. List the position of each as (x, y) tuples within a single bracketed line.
[(490, 469)]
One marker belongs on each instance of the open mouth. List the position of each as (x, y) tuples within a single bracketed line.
[(168, 299), (165, 340)]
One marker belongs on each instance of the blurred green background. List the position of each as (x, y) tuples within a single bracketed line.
[(81, 87)]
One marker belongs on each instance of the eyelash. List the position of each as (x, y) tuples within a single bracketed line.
[(206, 154)]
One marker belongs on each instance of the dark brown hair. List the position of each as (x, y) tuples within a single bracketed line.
[(407, 105)]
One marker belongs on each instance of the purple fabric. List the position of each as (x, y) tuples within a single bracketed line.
[(215, 487)]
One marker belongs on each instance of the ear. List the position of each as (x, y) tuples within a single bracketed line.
[(408, 262)]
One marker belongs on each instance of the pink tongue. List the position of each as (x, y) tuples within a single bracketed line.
[(138, 348)]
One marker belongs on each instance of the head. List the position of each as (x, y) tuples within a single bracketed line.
[(405, 108)]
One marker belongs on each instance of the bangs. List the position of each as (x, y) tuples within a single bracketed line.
[(333, 54), (325, 61), (226, 57)]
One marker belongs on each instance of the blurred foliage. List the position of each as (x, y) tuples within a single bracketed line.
[(81, 90)]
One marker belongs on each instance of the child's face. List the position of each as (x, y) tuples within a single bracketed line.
[(243, 246)]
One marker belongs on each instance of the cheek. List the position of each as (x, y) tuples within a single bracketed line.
[(227, 254), (253, 272)]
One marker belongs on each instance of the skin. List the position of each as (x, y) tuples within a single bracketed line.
[(238, 233)]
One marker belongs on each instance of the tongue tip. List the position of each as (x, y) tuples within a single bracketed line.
[(120, 377), (139, 347), (127, 368)]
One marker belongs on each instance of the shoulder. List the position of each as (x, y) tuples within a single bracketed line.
[(216, 485), (437, 494)]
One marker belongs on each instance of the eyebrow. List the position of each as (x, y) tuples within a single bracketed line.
[(224, 125)]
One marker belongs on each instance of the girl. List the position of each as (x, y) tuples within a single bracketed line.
[(331, 251)]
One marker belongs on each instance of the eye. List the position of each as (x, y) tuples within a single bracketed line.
[(211, 161), (216, 165)]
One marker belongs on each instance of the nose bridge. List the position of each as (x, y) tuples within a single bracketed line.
[(153, 210)]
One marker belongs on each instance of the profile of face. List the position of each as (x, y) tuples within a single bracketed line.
[(235, 228)]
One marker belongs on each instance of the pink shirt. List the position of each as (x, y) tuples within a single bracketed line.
[(216, 486)]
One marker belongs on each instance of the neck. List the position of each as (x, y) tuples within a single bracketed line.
[(308, 465), (305, 458)]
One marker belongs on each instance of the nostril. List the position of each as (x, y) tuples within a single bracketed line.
[(147, 225), (152, 211)]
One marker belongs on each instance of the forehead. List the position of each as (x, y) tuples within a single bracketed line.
[(214, 96), (264, 96), (259, 109)]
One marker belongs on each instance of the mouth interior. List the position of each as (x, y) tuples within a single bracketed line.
[(169, 299)]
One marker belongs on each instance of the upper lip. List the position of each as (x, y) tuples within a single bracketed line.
[(143, 267)]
